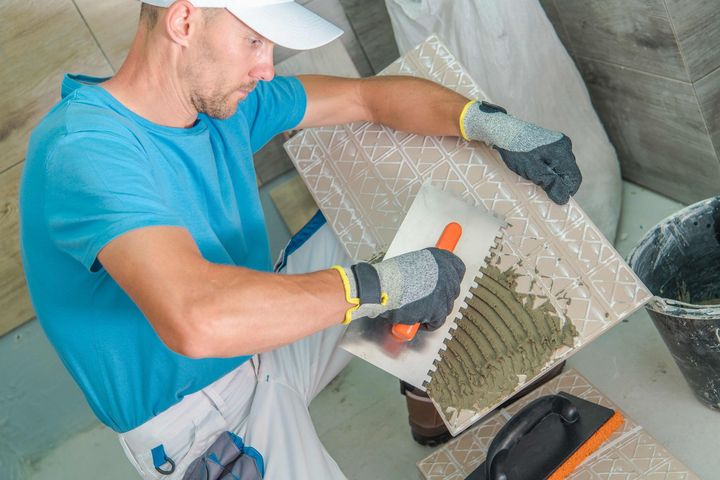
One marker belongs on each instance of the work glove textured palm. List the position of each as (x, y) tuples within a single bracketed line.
[(421, 287), (542, 156)]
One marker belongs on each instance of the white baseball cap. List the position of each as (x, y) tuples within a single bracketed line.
[(283, 22)]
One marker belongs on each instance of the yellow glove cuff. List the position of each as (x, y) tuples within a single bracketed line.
[(354, 301), (462, 119)]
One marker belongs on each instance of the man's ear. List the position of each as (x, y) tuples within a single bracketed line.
[(182, 19)]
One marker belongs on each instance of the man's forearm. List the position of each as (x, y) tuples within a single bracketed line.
[(413, 105), (237, 311), (204, 309)]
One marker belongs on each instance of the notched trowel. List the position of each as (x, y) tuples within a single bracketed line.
[(411, 358)]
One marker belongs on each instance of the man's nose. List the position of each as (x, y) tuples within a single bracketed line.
[(264, 69)]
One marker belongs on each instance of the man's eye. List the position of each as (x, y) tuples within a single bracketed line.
[(255, 43)]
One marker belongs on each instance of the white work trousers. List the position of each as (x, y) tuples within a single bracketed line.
[(264, 401)]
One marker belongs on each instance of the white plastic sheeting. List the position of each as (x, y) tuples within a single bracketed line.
[(512, 52)]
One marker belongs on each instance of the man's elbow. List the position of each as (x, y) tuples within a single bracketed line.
[(190, 347), (201, 333), (184, 332)]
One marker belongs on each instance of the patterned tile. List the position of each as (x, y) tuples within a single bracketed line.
[(441, 465), (670, 470), (364, 178), (643, 452), (617, 286), (630, 453), (613, 466)]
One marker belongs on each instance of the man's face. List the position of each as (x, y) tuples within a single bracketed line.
[(226, 64)]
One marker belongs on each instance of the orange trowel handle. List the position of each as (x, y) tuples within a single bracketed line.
[(447, 241)]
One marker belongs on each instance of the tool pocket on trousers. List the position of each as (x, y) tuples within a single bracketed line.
[(162, 453), (164, 446), (228, 458)]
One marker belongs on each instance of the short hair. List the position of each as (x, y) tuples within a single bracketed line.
[(149, 14)]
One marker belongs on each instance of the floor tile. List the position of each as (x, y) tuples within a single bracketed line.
[(88, 455)]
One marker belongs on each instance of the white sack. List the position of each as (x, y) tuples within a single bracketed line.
[(511, 50)]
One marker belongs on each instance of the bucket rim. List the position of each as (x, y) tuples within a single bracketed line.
[(668, 306), (677, 308), (641, 243)]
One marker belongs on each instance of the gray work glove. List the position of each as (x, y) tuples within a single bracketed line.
[(542, 156), (416, 287)]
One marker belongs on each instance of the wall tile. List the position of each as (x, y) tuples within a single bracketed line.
[(657, 129), (697, 26), (633, 33), (708, 92), (371, 23), (333, 11), (330, 59), (554, 17)]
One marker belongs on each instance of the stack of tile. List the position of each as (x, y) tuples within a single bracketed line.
[(629, 453)]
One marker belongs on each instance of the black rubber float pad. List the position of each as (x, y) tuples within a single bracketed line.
[(551, 443)]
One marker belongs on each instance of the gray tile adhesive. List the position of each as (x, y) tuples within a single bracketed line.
[(501, 334)]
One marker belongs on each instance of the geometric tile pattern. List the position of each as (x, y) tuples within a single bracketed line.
[(364, 177), (629, 453)]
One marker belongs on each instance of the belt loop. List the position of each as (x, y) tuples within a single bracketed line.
[(160, 458), (255, 362), (215, 398)]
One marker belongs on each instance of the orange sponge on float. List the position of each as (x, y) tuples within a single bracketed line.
[(548, 439)]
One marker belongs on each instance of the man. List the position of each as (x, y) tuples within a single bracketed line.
[(145, 249)]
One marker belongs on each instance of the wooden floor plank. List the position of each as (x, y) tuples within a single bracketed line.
[(39, 42), (14, 301), (44, 40), (294, 203), (113, 22)]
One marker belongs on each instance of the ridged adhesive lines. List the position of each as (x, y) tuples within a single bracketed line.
[(499, 336)]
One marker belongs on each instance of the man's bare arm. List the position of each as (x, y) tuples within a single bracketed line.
[(201, 309), (404, 103), (422, 107)]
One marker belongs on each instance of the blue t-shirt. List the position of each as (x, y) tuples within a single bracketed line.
[(96, 170)]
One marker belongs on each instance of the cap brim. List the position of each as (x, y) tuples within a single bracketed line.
[(288, 24)]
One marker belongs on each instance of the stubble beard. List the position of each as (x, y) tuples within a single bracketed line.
[(217, 105)]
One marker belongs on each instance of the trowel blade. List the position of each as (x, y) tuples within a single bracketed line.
[(432, 209)]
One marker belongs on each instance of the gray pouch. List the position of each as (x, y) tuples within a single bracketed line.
[(228, 458)]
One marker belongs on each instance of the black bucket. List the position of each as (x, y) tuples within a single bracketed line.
[(679, 261)]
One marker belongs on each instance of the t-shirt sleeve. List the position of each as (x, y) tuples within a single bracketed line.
[(99, 186), (273, 107)]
